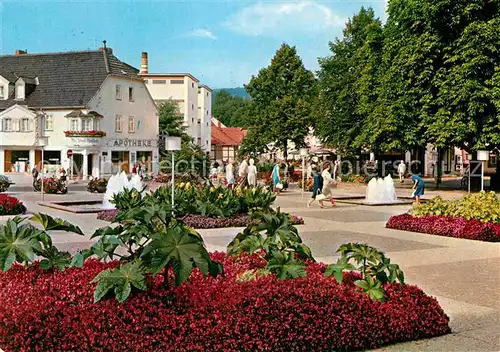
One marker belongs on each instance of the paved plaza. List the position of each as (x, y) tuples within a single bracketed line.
[(462, 274)]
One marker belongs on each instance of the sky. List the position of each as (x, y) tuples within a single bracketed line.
[(222, 43)]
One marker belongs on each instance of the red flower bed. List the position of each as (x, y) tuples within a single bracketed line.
[(446, 226), (54, 311), (11, 205)]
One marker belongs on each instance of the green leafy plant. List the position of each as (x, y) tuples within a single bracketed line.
[(20, 242), (128, 199), (375, 268), (482, 206), (277, 242), (147, 241)]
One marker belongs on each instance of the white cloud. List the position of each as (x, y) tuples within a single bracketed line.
[(201, 33), (280, 18)]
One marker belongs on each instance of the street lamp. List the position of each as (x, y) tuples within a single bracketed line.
[(172, 144), (469, 157), (303, 153), (482, 156)]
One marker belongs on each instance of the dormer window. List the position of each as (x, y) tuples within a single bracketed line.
[(1, 92), (19, 91)]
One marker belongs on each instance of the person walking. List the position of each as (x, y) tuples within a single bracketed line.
[(243, 173), (275, 175), (328, 183), (401, 171), (316, 192), (34, 173), (418, 188), (252, 174), (229, 174)]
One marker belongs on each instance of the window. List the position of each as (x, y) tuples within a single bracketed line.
[(118, 92), (118, 123), (130, 93), (20, 92), (176, 81), (207, 94), (1, 91), (159, 81), (49, 122), (192, 85), (73, 125), (7, 125), (87, 125), (25, 125), (199, 142), (131, 124), (192, 106), (199, 91)]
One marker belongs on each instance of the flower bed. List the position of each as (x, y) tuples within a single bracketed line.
[(447, 226), (54, 311), (11, 205), (204, 222), (51, 185), (162, 178)]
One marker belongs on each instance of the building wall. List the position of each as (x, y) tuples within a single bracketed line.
[(205, 117)]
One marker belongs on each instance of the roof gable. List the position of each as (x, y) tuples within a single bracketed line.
[(68, 79)]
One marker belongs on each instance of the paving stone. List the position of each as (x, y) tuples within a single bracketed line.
[(349, 215)]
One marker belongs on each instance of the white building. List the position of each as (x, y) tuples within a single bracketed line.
[(87, 103), (194, 100)]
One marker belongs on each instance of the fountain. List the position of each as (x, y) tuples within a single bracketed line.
[(116, 184), (381, 190)]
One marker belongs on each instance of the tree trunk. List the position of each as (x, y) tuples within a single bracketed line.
[(285, 150)]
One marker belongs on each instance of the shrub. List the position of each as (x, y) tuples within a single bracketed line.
[(5, 183), (51, 185), (108, 215), (97, 185), (483, 206), (446, 226), (354, 178), (162, 178), (11, 205), (54, 311)]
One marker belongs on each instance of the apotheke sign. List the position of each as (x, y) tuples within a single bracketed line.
[(126, 143)]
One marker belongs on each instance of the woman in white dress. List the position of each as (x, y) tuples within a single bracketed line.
[(252, 174), (328, 183)]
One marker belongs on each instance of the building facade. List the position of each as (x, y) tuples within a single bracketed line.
[(225, 141), (194, 100), (89, 112)]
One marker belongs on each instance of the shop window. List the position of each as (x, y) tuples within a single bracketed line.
[(118, 92), (130, 93), (49, 122), (25, 125), (131, 124), (7, 125), (118, 123)]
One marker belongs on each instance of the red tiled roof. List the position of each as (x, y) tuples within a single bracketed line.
[(227, 136)]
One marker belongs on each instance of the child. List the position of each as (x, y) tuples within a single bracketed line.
[(318, 186)]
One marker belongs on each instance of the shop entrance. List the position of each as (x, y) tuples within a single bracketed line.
[(120, 161), (145, 159), (77, 165), (17, 161)]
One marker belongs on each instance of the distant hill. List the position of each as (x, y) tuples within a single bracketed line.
[(235, 92)]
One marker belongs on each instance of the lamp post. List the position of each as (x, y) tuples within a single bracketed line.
[(172, 144), (469, 157), (42, 142), (303, 154), (482, 156)]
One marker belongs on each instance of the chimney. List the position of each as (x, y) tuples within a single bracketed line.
[(21, 52), (144, 62)]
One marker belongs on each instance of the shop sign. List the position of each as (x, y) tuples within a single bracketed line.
[(85, 141), (125, 142)]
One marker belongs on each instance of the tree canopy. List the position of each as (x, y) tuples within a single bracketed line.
[(430, 75), (230, 110), (281, 102)]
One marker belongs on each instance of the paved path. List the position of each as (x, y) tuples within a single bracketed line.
[(464, 275)]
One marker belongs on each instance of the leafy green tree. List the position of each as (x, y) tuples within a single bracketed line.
[(348, 82), (230, 110), (282, 96), (170, 119)]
